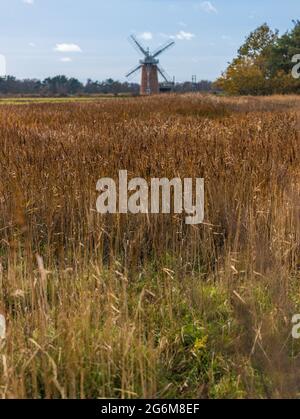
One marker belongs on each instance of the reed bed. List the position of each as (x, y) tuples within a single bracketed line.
[(131, 306)]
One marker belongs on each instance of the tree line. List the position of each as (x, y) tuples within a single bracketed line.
[(63, 86), (264, 64)]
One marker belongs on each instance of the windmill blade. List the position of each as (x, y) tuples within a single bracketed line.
[(137, 45), (133, 71), (163, 74), (163, 49)]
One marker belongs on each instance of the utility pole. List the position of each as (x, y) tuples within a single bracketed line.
[(194, 82)]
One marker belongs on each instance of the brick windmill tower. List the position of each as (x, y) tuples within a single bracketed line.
[(150, 68)]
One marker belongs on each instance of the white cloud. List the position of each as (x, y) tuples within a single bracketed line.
[(32, 44), (29, 2), (66, 60), (183, 36), (208, 7), (146, 36), (67, 48)]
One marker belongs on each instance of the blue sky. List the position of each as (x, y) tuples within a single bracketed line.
[(90, 38)]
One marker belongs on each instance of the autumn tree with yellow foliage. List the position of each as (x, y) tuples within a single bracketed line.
[(264, 64)]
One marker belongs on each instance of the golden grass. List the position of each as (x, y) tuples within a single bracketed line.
[(136, 306)]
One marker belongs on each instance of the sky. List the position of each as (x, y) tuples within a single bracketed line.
[(89, 39)]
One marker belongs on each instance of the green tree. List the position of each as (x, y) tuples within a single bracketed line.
[(258, 43), (282, 52), (74, 86), (264, 64)]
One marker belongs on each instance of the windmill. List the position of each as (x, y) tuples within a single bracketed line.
[(150, 67)]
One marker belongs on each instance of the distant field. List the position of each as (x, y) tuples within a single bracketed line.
[(147, 306), (22, 101)]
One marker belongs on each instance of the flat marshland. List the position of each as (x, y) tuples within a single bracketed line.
[(131, 306)]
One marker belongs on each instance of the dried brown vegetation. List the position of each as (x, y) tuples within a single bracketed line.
[(136, 306)]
